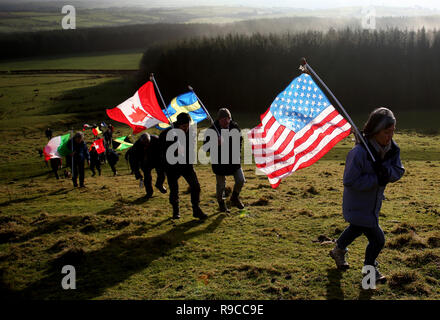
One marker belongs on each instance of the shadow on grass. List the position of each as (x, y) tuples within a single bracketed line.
[(47, 228), (20, 200), (334, 290), (365, 294), (122, 257), (93, 98)]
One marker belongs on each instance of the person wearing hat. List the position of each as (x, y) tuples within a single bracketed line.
[(225, 125), (364, 185), (145, 155), (175, 170)]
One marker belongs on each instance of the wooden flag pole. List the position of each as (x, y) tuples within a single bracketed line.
[(163, 101), (206, 110), (305, 67)]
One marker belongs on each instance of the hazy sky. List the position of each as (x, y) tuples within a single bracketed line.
[(308, 4), (312, 4)]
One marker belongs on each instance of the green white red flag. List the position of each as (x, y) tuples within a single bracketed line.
[(57, 147)]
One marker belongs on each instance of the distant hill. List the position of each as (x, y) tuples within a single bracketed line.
[(23, 16)]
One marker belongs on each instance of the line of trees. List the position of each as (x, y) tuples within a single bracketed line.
[(394, 68), (87, 40)]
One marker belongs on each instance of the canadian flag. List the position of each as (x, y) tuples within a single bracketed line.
[(141, 111)]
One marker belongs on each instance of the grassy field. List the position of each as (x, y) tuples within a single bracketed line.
[(124, 247), (112, 60)]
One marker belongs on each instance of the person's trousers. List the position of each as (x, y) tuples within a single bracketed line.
[(239, 181), (375, 236), (148, 180), (96, 165), (78, 170), (55, 164), (112, 166), (191, 178)]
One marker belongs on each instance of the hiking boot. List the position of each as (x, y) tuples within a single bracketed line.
[(380, 278), (148, 195), (339, 256), (235, 200), (223, 207), (162, 189), (176, 213), (198, 213), (93, 174)]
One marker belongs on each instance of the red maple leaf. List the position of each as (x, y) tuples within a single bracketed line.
[(138, 114)]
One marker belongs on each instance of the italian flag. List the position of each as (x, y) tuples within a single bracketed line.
[(141, 111), (57, 147)]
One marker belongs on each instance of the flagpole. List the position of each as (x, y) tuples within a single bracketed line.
[(206, 110), (306, 67), (163, 102), (72, 151)]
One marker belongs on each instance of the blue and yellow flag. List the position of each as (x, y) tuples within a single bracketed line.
[(188, 103)]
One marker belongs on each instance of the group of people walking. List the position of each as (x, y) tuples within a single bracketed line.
[(150, 152), (364, 179), (80, 154)]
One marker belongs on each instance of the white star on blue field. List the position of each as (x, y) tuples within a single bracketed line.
[(299, 103)]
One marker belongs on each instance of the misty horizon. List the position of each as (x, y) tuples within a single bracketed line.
[(309, 5)]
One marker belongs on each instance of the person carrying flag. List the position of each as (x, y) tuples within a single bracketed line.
[(364, 185), (145, 155), (176, 170), (231, 166)]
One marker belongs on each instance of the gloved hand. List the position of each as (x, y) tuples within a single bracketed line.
[(383, 175)]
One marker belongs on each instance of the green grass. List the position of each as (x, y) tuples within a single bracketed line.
[(124, 247), (99, 61)]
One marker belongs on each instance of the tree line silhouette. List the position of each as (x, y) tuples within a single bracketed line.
[(142, 36), (365, 69)]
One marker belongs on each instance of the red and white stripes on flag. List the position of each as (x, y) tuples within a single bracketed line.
[(278, 149)]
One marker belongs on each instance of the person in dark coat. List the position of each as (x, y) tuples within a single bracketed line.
[(55, 164), (145, 155), (79, 155), (364, 185), (127, 158), (48, 133), (112, 159), (178, 140), (108, 136), (227, 164), (95, 162)]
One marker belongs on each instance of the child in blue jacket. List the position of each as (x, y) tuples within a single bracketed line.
[(364, 185)]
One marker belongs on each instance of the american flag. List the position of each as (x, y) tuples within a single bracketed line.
[(298, 129)]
